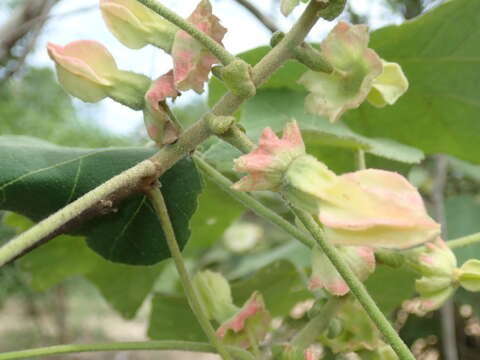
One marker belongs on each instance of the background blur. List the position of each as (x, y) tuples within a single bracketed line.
[(33, 104)]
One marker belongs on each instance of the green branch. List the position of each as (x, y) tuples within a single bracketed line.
[(129, 180), (253, 204), (122, 346), (361, 162), (464, 241), (193, 298), (169, 155), (214, 47)]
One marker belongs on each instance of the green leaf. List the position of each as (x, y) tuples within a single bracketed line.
[(57, 260), (39, 178), (440, 55), (280, 283), (124, 287), (462, 213), (390, 287), (216, 212), (293, 251), (172, 319)]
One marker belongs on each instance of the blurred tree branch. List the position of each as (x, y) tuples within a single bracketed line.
[(19, 33), (447, 312), (264, 19)]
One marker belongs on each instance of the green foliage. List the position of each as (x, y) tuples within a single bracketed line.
[(216, 212), (132, 235), (439, 54), (462, 213), (36, 105), (280, 100), (172, 318), (280, 283), (124, 287), (389, 287)]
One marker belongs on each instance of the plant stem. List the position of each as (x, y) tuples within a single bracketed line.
[(309, 334), (251, 203), (193, 298), (214, 47), (361, 163), (122, 346), (130, 178), (357, 287), (168, 155), (464, 241)]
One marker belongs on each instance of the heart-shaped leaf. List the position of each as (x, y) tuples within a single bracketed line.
[(38, 178)]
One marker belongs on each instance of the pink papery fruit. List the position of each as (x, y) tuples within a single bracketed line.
[(192, 61), (251, 321), (268, 162), (358, 72), (160, 126)]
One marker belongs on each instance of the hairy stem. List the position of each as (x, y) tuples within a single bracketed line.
[(214, 47), (317, 325), (169, 155), (464, 241), (357, 287), (193, 298), (361, 162), (128, 180), (122, 346), (253, 204)]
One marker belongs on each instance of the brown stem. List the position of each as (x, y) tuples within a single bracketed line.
[(265, 20)]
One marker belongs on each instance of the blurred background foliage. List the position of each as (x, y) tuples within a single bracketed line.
[(64, 292)]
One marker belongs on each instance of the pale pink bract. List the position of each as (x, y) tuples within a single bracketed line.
[(192, 61)]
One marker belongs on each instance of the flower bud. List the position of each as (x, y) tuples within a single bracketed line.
[(469, 275), (237, 76), (361, 260), (251, 322), (192, 61), (436, 259), (160, 127), (215, 295), (267, 164), (357, 69), (136, 26), (388, 86), (88, 71), (365, 208), (437, 265)]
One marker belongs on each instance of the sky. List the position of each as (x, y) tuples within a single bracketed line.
[(74, 20)]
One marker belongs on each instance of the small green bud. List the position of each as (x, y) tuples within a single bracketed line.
[(219, 125), (238, 78), (469, 275), (215, 294), (136, 26), (89, 72)]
